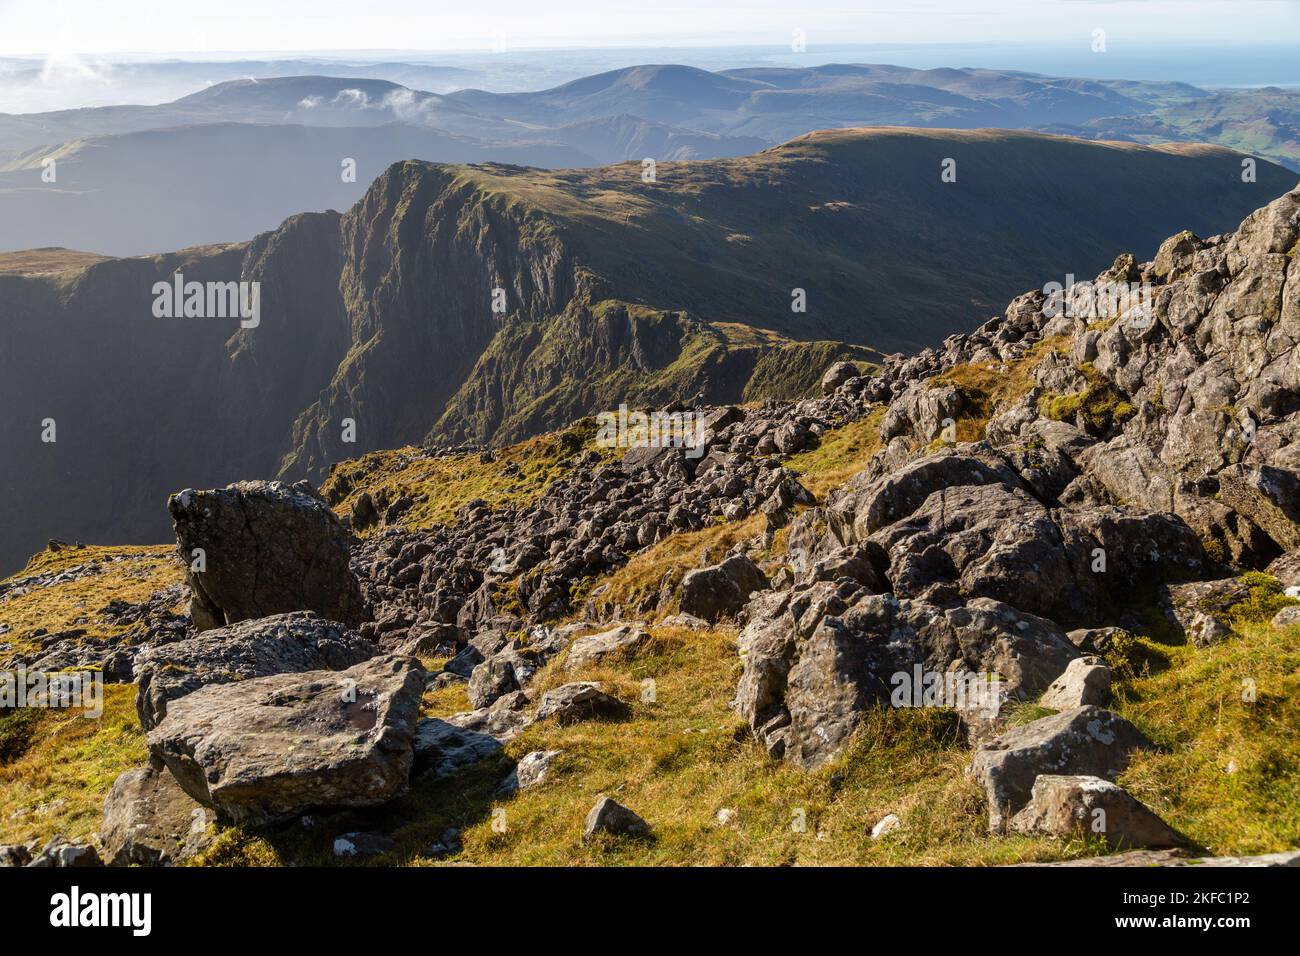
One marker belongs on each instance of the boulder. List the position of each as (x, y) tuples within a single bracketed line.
[(610, 816), (837, 375), (529, 772), (480, 647), (1286, 568), (1268, 496), (1199, 611), (583, 700), (1086, 681), (290, 643), (721, 590), (494, 678), (512, 667), (270, 748), (594, 648), (870, 501), (1085, 741), (1287, 617), (448, 844), (150, 821), (503, 719), (266, 548), (887, 824), (1067, 806), (14, 854)]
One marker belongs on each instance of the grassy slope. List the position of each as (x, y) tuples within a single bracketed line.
[(57, 767)]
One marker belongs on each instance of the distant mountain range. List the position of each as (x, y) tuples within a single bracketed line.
[(614, 287), (239, 156)]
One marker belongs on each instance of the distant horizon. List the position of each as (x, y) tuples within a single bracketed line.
[(34, 83)]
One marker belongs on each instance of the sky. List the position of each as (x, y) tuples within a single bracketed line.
[(83, 27)]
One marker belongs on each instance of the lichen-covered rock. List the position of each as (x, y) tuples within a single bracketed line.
[(63, 853), (582, 700), (1086, 741), (1080, 805), (1086, 681), (594, 648), (529, 772), (610, 816), (257, 548)]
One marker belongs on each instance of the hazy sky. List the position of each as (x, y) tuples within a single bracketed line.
[(159, 26)]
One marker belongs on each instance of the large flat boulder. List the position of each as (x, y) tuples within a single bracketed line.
[(263, 548), (282, 644), (268, 749)]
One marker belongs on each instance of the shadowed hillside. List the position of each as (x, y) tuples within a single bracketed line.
[(611, 289)]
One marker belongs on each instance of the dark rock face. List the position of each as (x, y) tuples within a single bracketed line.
[(1088, 741), (381, 313), (271, 748), (722, 590), (280, 644), (265, 548)]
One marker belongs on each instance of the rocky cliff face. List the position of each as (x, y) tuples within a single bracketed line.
[(485, 304)]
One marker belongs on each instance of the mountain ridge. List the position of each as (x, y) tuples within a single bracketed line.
[(394, 298)]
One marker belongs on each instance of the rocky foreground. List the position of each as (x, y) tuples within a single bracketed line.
[(1035, 482)]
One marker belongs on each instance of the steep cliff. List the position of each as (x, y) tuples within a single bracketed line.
[(488, 303)]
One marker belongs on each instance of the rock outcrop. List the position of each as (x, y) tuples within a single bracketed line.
[(149, 820)]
